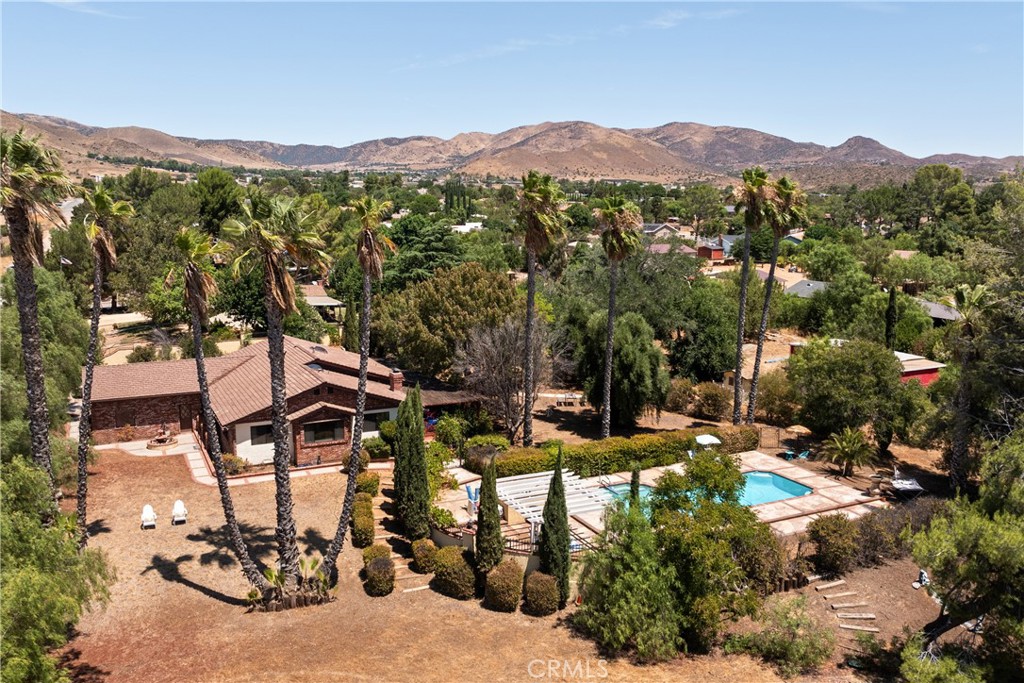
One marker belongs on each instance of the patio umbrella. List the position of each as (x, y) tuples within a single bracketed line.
[(798, 429), (707, 440)]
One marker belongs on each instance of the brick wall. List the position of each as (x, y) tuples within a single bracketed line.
[(141, 418), (324, 451)]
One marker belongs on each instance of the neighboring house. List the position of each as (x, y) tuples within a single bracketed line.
[(316, 296), (920, 368), (666, 248), (711, 252), (660, 231), (466, 228), (941, 314), (796, 237), (727, 242), (805, 289), (139, 400)]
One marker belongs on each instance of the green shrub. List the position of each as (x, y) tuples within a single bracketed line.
[(368, 482), (210, 348), (233, 464), (451, 431), (377, 448), (884, 533), (711, 401), (362, 497), (739, 438), (452, 574), (388, 430), (441, 518), (516, 461), (541, 595), (495, 440), (423, 551), (504, 588), (362, 528), (680, 393), (791, 640), (836, 541), (380, 576), (374, 551)]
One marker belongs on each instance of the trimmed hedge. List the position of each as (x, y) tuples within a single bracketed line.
[(504, 589), (541, 595), (362, 528), (368, 482), (452, 574), (376, 448), (363, 499), (380, 576), (423, 551), (374, 551), (618, 454)]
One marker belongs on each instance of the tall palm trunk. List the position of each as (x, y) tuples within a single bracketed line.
[(528, 369), (31, 343), (85, 421), (287, 548), (737, 390), (331, 556), (761, 332), (249, 568), (609, 346)]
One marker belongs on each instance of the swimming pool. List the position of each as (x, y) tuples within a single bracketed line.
[(760, 487)]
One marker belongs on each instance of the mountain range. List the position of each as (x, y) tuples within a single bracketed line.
[(674, 152)]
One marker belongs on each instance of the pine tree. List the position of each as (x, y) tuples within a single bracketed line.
[(554, 535), (350, 328), (489, 544), (416, 515)]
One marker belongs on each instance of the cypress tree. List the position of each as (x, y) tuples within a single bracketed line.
[(554, 534), (400, 451), (350, 328), (416, 516), (489, 544), (634, 485)]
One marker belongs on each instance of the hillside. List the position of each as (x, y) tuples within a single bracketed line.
[(674, 152)]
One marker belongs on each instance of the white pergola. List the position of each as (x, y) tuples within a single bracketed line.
[(527, 493)]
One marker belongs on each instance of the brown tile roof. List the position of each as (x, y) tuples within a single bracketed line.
[(309, 410), (240, 381)]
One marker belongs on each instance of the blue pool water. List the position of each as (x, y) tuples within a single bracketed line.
[(761, 487)]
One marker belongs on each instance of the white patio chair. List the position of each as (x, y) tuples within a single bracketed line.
[(179, 515), (148, 517)]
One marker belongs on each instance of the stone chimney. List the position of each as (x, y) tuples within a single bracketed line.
[(396, 378)]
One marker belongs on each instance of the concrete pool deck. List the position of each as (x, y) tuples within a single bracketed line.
[(785, 517)]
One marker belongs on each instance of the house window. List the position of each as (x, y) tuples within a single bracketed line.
[(317, 432), (371, 422), (260, 435)]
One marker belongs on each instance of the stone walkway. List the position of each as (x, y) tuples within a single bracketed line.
[(385, 531)]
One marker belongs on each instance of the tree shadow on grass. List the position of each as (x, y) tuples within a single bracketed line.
[(79, 671), (170, 570), (259, 540)]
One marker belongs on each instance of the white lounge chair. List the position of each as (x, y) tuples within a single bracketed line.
[(148, 517), (906, 488), (179, 515)]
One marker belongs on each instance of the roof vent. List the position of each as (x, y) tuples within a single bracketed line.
[(315, 366), (316, 348)]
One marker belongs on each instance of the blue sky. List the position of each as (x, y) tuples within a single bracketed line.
[(923, 78)]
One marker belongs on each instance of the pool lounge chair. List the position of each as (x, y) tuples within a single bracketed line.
[(148, 517), (803, 455), (179, 514), (906, 488)]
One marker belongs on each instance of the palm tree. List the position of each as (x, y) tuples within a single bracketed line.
[(785, 212), (972, 304), (753, 198), (372, 245), (849, 448), (542, 223), (103, 212), (195, 251), (31, 183), (620, 222), (272, 233)]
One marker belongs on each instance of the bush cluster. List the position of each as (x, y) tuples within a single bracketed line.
[(791, 640), (374, 551), (541, 595), (680, 393), (377, 448), (440, 518), (423, 551), (452, 574), (368, 482), (616, 454), (380, 576), (232, 463), (504, 588), (362, 520), (836, 544), (711, 401)]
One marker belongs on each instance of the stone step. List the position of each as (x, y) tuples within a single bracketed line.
[(857, 627), (855, 615), (847, 605), (384, 537), (833, 584), (410, 575), (839, 595), (417, 588)]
